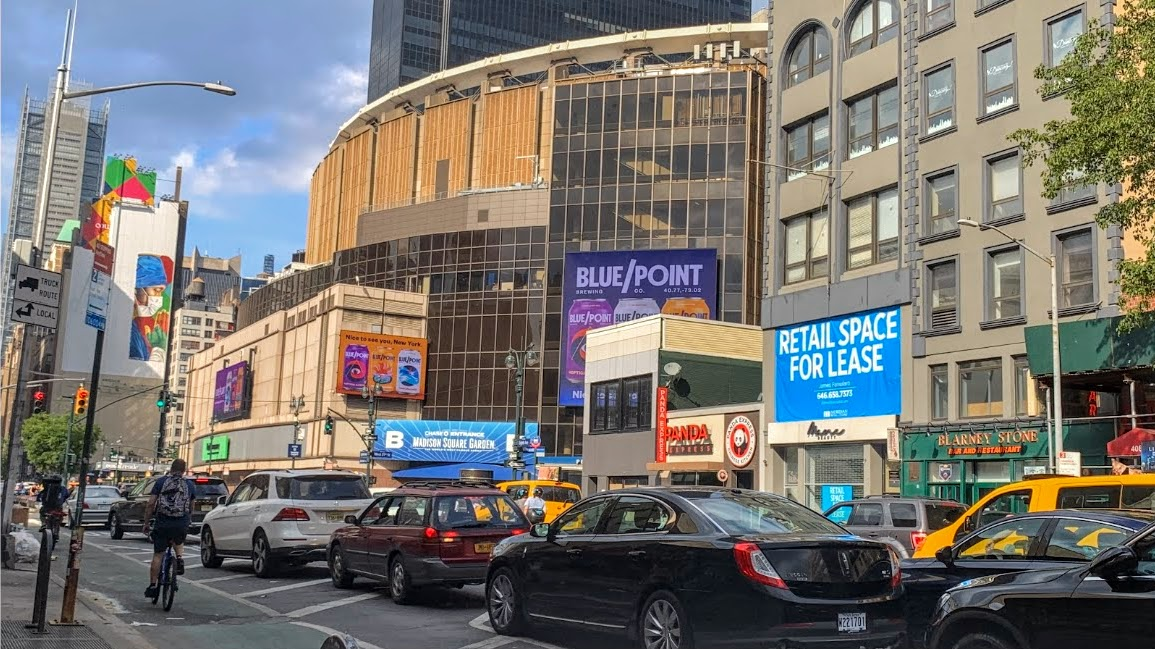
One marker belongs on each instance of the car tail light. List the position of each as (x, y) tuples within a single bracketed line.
[(916, 539), (450, 536), (516, 532), (431, 533), (754, 565), (895, 569), (291, 514), (201, 481)]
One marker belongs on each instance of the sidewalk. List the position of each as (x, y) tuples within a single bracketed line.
[(99, 630)]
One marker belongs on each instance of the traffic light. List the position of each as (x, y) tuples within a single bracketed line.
[(80, 402), (164, 401), (38, 402), (329, 425)]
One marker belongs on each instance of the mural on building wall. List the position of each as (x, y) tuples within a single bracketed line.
[(151, 308), (124, 179)]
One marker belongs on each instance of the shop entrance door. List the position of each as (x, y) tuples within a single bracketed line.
[(984, 476), (945, 491)]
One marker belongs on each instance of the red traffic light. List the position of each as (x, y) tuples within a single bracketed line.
[(38, 395)]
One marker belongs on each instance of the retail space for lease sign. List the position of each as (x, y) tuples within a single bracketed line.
[(390, 366), (849, 366), (605, 288)]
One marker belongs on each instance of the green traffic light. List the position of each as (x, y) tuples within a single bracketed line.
[(160, 403)]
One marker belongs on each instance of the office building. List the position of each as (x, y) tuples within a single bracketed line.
[(269, 266), (218, 274), (412, 39)]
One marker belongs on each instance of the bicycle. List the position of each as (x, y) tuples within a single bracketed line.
[(166, 591), (52, 520)]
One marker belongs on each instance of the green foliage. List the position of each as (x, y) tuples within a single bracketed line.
[(44, 437), (1108, 138)]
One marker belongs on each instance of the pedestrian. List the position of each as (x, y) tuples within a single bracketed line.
[(171, 502), (535, 506)]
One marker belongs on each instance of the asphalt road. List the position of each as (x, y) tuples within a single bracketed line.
[(230, 607)]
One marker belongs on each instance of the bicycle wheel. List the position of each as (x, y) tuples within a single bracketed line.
[(169, 583)]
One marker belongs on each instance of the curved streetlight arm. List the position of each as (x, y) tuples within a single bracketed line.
[(1049, 259), (218, 88)]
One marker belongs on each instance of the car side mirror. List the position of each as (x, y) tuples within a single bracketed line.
[(350, 519), (222, 501), (945, 556), (539, 531), (1115, 561)]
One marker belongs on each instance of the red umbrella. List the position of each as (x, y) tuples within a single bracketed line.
[(1129, 443)]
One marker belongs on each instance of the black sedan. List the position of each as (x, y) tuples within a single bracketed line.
[(678, 567), (1108, 603), (1055, 539)]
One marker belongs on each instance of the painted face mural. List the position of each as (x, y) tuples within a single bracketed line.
[(151, 308)]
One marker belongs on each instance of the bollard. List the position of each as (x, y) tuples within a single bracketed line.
[(40, 599)]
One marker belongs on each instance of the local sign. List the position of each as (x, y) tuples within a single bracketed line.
[(36, 298)]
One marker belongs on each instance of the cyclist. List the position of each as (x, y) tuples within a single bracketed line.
[(534, 506), (52, 499), (171, 502)]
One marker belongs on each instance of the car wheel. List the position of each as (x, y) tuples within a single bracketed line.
[(400, 584), (979, 640), (663, 624), (341, 577), (115, 529), (506, 613), (264, 565), (209, 556)]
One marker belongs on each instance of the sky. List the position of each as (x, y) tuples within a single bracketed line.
[(299, 68)]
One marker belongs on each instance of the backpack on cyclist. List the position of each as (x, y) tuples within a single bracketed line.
[(174, 498)]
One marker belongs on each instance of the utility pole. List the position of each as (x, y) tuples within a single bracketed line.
[(296, 405), (177, 306), (517, 362), (369, 437)]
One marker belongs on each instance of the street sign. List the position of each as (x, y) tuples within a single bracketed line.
[(37, 286), (34, 314), (100, 286), (294, 451), (363, 458)]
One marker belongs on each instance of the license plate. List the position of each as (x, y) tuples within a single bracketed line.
[(482, 548), (335, 517), (851, 622), (206, 508)]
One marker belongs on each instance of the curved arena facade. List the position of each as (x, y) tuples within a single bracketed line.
[(472, 185)]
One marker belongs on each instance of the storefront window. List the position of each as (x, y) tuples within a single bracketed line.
[(627, 481), (621, 405), (990, 471), (695, 479), (791, 458), (834, 464)]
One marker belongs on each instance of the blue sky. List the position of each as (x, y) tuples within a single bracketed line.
[(299, 70)]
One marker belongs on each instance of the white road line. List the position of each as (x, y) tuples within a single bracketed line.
[(214, 579), (490, 643), (481, 623), (309, 610), (277, 589), (326, 630)]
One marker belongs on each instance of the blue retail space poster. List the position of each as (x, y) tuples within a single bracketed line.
[(832, 494), (414, 440), (849, 366)]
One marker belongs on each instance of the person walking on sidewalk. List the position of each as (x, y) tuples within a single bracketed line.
[(171, 502)]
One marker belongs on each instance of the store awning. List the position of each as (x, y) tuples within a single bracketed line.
[(1089, 346), (452, 471), (1129, 443)]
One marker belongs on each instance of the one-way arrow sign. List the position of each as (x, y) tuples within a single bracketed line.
[(34, 314)]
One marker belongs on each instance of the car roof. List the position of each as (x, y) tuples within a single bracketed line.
[(302, 473), (902, 499), (448, 488)]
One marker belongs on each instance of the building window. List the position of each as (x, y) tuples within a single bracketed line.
[(943, 279), (189, 320), (807, 247), (998, 72), (809, 57), (1004, 187), (808, 147), (183, 368), (187, 331), (939, 385), (1022, 385), (980, 388), (621, 405), (938, 14), (1075, 190), (1076, 269), (872, 229), (1062, 34), (938, 99), (941, 202), (208, 322), (875, 23), (873, 122), (1005, 273), (190, 344)]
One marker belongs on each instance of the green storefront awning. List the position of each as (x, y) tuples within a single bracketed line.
[(1090, 346)]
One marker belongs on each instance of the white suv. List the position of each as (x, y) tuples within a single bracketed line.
[(277, 517)]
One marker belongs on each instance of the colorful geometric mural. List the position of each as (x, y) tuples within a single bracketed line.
[(151, 309), (123, 179)]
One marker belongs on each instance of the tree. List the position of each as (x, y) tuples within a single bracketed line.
[(44, 438), (1108, 137)]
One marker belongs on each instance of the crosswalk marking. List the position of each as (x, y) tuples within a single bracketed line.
[(278, 589), (309, 610)]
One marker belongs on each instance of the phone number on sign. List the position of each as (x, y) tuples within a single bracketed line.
[(835, 394)]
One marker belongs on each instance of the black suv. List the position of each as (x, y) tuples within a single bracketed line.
[(128, 514)]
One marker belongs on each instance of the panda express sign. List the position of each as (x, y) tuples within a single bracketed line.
[(730, 437), (689, 439)]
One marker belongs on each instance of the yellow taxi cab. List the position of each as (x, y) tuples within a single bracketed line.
[(558, 496), (1044, 494)]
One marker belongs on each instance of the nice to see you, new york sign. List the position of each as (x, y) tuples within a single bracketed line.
[(849, 366)]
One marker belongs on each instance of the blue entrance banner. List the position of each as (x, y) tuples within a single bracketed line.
[(413, 440), (832, 494), (850, 366)]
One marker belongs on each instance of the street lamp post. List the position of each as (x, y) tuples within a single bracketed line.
[(369, 437), (1056, 441), (517, 361)]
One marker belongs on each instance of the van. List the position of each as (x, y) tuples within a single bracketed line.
[(558, 496), (1045, 494)]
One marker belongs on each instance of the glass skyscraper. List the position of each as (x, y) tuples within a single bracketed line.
[(414, 38)]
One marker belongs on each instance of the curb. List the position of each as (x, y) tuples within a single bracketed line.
[(109, 628)]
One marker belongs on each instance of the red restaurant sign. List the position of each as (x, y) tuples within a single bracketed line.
[(663, 405)]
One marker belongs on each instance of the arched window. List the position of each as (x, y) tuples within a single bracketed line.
[(875, 23), (809, 56)]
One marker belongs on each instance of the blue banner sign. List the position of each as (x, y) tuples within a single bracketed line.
[(850, 366), (412, 440), (605, 288), (832, 494)]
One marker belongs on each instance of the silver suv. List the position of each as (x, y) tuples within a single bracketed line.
[(906, 522)]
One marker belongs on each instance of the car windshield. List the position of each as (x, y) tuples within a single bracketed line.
[(209, 489), (744, 513), (939, 515), (101, 492), (323, 487), (560, 494), (497, 510)]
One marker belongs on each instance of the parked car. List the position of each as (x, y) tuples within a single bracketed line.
[(127, 515), (1056, 539), (1109, 602), (281, 517), (98, 501), (435, 533), (680, 567), (907, 521)]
